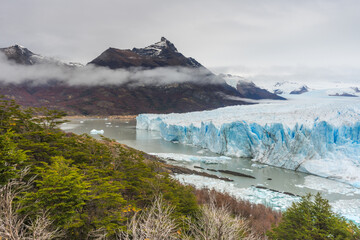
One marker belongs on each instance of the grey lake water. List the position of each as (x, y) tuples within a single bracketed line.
[(344, 198)]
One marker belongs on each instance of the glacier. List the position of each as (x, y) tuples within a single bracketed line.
[(316, 135)]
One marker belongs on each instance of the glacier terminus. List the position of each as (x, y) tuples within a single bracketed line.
[(311, 133)]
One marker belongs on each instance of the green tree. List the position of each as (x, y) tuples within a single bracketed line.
[(61, 190), (11, 158), (312, 218)]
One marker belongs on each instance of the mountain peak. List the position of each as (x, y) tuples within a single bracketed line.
[(159, 54), (158, 49), (17, 49), (19, 54), (22, 55)]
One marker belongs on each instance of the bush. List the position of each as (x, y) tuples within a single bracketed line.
[(260, 218), (312, 218)]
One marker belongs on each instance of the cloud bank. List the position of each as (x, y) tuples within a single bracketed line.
[(90, 75), (313, 77)]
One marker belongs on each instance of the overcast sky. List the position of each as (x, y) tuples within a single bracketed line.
[(227, 35)]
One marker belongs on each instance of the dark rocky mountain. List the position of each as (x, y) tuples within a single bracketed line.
[(24, 56), (126, 99), (302, 90), (160, 54), (250, 90), (21, 55), (121, 100)]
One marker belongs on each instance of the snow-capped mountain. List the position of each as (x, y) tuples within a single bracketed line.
[(287, 87), (280, 88), (344, 92), (247, 88), (22, 55), (159, 54)]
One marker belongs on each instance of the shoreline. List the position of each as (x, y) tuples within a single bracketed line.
[(119, 117)]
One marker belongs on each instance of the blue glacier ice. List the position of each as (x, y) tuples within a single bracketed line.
[(322, 139)]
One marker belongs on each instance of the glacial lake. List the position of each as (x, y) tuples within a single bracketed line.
[(344, 198)]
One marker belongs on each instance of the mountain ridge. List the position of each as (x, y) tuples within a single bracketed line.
[(160, 54), (194, 95)]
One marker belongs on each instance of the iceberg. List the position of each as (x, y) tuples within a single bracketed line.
[(94, 131), (317, 137)]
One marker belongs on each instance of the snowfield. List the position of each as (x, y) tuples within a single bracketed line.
[(312, 133)]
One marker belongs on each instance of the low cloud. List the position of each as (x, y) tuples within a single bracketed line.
[(90, 75), (313, 77)]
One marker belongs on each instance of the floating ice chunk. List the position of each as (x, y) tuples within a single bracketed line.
[(258, 165), (350, 209), (329, 186), (246, 169), (270, 198), (68, 126), (94, 131), (192, 158)]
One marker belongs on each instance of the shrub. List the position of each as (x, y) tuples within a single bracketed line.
[(260, 218), (312, 218)]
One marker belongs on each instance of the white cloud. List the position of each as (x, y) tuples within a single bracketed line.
[(91, 75)]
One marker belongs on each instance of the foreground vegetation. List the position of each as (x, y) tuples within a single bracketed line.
[(82, 184), (56, 185), (312, 218)]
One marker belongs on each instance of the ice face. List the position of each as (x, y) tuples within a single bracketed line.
[(318, 138)]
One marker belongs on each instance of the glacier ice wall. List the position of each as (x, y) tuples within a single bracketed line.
[(324, 149)]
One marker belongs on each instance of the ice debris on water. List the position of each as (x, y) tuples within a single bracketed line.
[(192, 158), (94, 131)]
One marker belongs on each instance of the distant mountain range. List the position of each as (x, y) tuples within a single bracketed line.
[(119, 99)]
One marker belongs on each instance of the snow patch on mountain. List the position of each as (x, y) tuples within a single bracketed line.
[(156, 49), (233, 80)]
